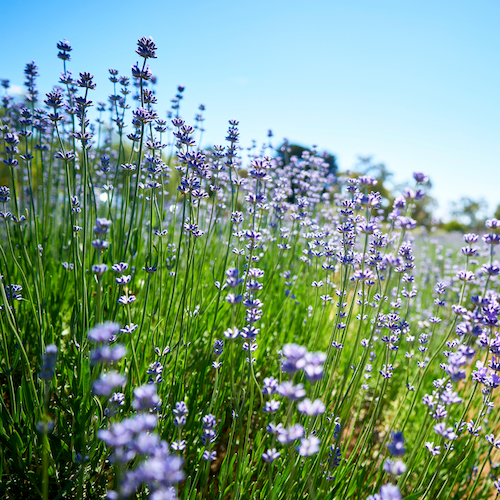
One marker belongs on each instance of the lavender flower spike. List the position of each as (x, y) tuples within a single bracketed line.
[(105, 385)]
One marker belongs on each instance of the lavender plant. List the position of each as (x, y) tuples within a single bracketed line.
[(179, 322)]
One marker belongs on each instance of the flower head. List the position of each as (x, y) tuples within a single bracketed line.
[(308, 446), (396, 446), (146, 48)]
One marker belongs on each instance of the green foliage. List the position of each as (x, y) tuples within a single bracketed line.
[(454, 225), (470, 212), (286, 151), (497, 213)]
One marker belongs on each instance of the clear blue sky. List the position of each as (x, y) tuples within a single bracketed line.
[(415, 84)]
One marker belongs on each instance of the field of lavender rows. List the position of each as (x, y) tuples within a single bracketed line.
[(228, 323)]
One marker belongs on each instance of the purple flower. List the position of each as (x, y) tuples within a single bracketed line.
[(270, 386), (386, 371), (103, 332), (290, 391), (49, 362), (472, 429), (390, 492), (255, 272), (407, 223), (492, 239), (106, 383), (210, 456), (249, 332), (442, 430), (180, 409), (145, 397), (164, 494), (397, 468), (233, 299), (102, 226), (493, 380), (294, 358), (122, 432), (466, 276), (471, 238), (107, 354), (209, 421), (308, 446), (433, 450), (273, 428), (178, 445), (124, 299), (311, 408), (252, 303), (290, 434), (99, 269), (313, 372), (85, 80), (396, 446), (420, 178), (144, 115), (494, 363), (218, 347), (496, 484), (209, 435), (449, 397), (455, 361), (146, 48), (492, 270), (145, 442), (399, 202), (159, 471), (232, 278), (115, 401), (129, 328), (155, 368), (100, 245), (313, 369), (270, 455), (231, 333), (180, 421), (440, 413), (492, 223), (271, 406)]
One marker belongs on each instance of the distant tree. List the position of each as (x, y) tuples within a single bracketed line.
[(367, 166), (497, 213), (470, 212), (286, 151), (454, 226), (379, 171), (422, 210)]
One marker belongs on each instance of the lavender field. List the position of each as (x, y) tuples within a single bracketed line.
[(230, 322)]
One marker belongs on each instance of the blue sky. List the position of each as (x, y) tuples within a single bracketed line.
[(415, 84)]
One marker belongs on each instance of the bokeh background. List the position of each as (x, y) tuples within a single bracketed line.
[(414, 85)]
